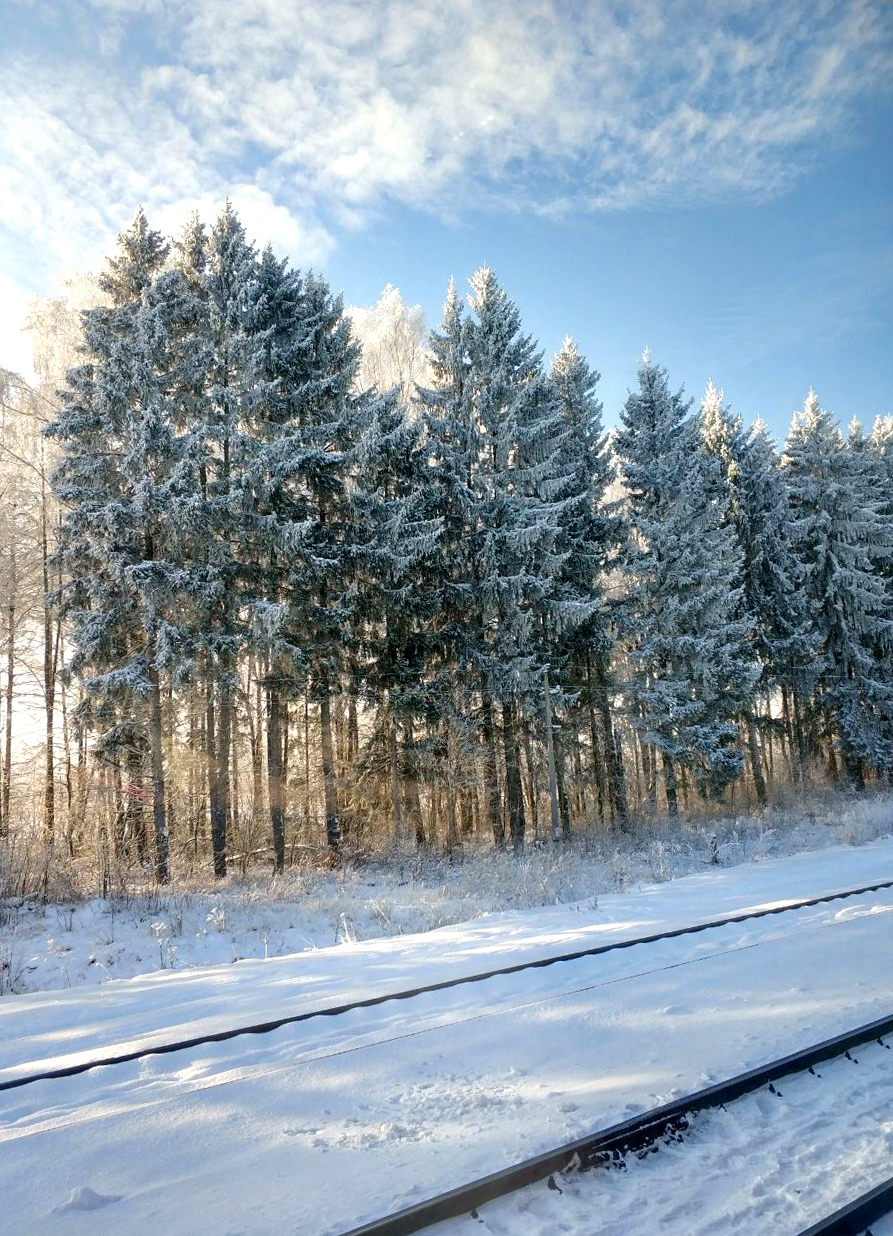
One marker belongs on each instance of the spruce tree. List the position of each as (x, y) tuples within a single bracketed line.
[(218, 282), (686, 638), (582, 643), (117, 479), (844, 540), (774, 584), (493, 426), (398, 595)]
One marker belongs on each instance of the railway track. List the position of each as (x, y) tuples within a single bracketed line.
[(85, 1064), (648, 1130)]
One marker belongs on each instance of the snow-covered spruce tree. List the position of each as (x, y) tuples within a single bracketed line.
[(453, 444), (692, 672), (843, 541), (881, 443), (307, 473), (217, 271), (773, 601), (589, 540), (774, 590), (271, 526), (398, 596), (493, 421), (117, 479)]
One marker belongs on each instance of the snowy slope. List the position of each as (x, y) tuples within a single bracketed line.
[(316, 1126), (767, 1163)]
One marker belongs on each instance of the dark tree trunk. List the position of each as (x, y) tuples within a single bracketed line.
[(216, 801), (613, 757), (394, 771), (415, 819), (560, 786), (670, 786), (491, 783), (274, 778), (514, 799), (598, 764), (530, 782), (159, 816), (333, 823), (49, 685), (756, 766)]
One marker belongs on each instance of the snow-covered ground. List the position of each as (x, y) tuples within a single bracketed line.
[(767, 1163), (318, 1126), (92, 941)]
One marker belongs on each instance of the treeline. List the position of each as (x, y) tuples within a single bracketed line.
[(298, 613)]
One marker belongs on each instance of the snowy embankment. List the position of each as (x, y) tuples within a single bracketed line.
[(92, 941), (766, 1163), (316, 1126)]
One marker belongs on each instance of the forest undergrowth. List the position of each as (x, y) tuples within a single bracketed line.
[(55, 932)]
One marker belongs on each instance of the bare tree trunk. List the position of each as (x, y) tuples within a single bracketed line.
[(512, 778), (532, 793), (554, 807), (216, 801), (307, 765), (274, 778), (560, 786), (49, 671), (224, 747), (613, 757), (333, 823), (598, 764), (396, 819), (80, 808), (755, 761), (491, 784), (10, 675), (452, 832), (670, 785), (159, 817), (353, 732), (415, 819), (254, 713)]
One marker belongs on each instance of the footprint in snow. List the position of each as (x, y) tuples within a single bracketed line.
[(85, 1198)]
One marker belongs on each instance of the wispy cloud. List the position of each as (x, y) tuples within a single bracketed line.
[(314, 113)]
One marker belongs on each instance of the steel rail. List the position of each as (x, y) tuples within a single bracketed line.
[(854, 1218), (631, 1135), (266, 1027)]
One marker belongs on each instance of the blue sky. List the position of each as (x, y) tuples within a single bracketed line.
[(714, 181)]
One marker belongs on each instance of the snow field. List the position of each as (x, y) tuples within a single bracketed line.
[(319, 1126), (768, 1163)]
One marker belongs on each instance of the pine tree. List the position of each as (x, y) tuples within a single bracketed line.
[(843, 541)]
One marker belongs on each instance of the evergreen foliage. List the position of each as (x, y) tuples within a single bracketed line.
[(687, 635), (444, 583), (843, 536)]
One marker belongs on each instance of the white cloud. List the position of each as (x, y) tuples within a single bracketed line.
[(307, 110), (266, 222)]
